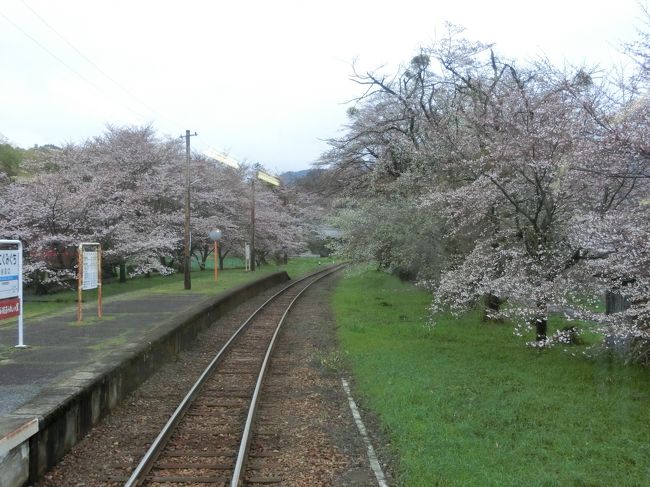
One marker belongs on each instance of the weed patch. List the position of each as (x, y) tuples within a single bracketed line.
[(334, 361)]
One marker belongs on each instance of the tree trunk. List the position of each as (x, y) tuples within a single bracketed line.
[(122, 271), (541, 321), (492, 307), (541, 328), (204, 252), (615, 302)]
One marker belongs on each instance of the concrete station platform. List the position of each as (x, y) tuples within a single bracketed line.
[(73, 374)]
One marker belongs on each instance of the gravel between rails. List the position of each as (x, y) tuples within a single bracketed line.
[(306, 434)]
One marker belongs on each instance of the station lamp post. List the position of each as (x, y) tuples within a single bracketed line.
[(215, 236)]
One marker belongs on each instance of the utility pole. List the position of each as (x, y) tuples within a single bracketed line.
[(186, 261), (253, 217), (269, 179)]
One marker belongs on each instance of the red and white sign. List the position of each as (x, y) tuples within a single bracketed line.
[(9, 308), (11, 284)]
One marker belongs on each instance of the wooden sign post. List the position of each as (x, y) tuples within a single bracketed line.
[(89, 275)]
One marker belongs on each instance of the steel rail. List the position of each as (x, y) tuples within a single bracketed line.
[(144, 467), (252, 408)]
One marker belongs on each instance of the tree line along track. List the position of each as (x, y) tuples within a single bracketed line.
[(207, 438)]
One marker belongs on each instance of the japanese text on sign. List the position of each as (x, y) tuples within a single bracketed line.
[(9, 274), (90, 275), (9, 308)]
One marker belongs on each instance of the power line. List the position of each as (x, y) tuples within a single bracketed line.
[(48, 51), (89, 61)]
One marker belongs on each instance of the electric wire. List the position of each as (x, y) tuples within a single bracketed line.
[(70, 68), (85, 58), (90, 61), (33, 39)]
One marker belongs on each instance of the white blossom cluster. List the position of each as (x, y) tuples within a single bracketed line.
[(481, 176), (125, 189)]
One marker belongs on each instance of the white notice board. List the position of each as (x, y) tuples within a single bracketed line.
[(90, 274)]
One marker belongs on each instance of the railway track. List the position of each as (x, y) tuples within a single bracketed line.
[(206, 440)]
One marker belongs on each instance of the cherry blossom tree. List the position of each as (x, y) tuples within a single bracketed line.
[(524, 169), (125, 189), (50, 212), (141, 213), (219, 201), (279, 223)]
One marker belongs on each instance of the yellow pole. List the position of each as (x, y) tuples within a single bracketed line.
[(216, 260), (99, 282), (80, 268)]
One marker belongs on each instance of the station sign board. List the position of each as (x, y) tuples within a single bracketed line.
[(11, 284), (9, 272), (267, 178)]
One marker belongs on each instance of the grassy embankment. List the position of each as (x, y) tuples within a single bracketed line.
[(466, 403), (202, 283)]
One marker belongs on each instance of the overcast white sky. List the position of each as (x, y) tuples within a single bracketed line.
[(263, 80)]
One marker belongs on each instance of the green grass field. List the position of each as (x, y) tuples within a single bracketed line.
[(202, 282), (467, 404), (40, 307)]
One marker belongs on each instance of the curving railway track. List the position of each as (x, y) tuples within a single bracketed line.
[(206, 440)]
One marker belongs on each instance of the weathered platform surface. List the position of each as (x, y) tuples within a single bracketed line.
[(74, 374)]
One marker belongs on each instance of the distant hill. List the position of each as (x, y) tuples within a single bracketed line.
[(291, 177)]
